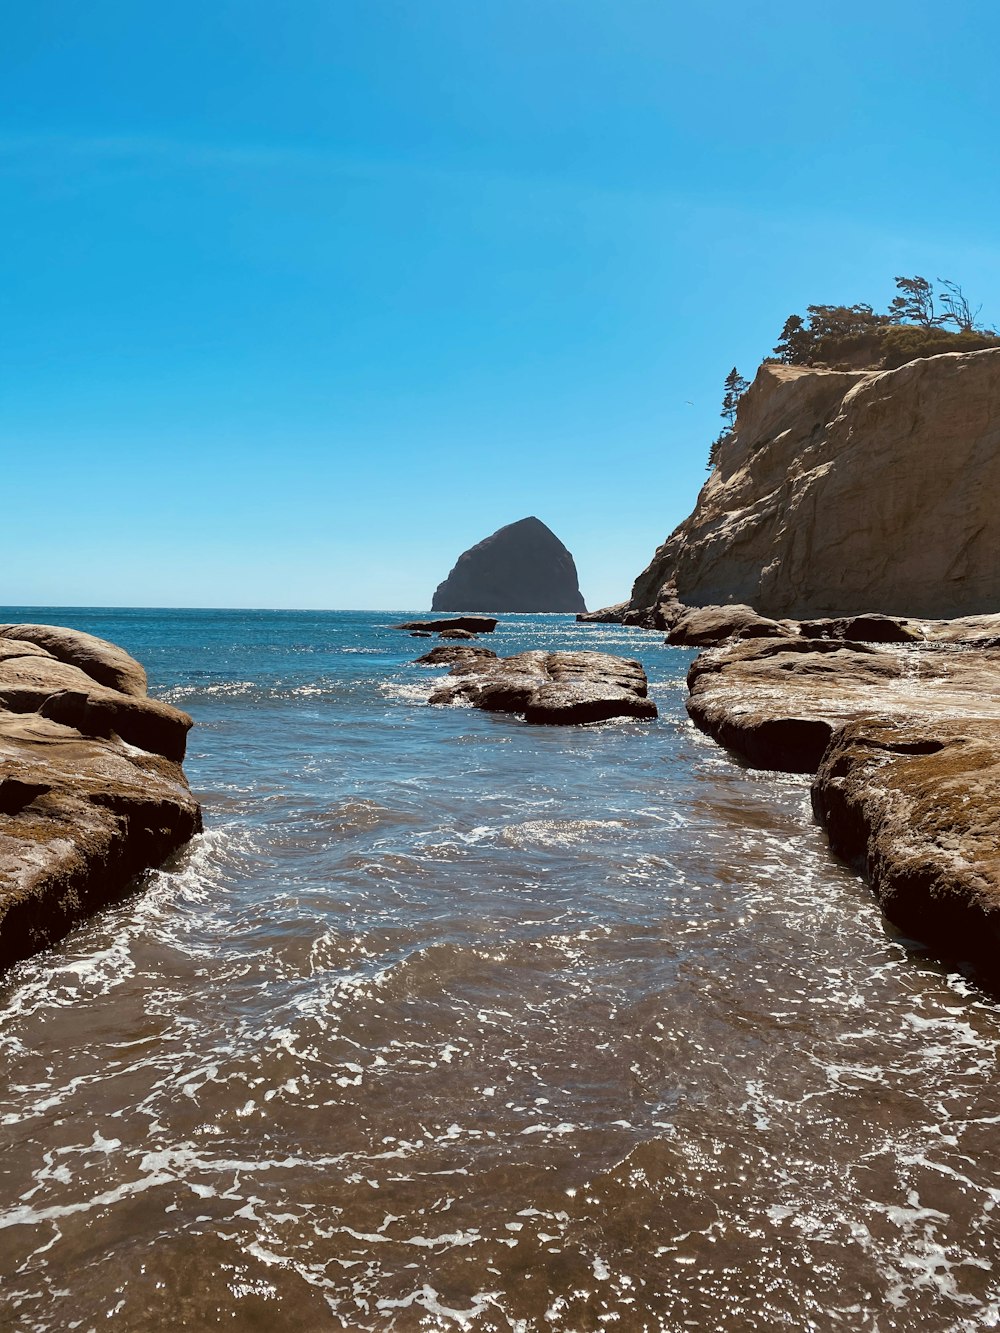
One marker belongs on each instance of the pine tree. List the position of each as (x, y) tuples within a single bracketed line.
[(795, 343), (736, 387)]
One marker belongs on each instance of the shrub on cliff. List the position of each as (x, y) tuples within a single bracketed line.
[(903, 343), (831, 333), (857, 337)]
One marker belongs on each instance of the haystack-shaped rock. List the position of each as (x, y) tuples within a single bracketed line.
[(522, 567)]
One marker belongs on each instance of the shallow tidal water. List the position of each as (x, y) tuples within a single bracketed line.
[(448, 1022)]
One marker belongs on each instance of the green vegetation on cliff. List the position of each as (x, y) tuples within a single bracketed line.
[(857, 337), (918, 323)]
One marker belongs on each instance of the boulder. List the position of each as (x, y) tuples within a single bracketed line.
[(447, 654), (550, 688), (31, 683), (102, 661), (607, 615), (872, 628), (842, 490), (91, 788), (456, 634), (659, 616), (705, 626), (521, 567)]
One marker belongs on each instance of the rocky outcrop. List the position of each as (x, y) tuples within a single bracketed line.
[(521, 567), (91, 788), (905, 745), (846, 490), (914, 806), (704, 626), (448, 654), (607, 615), (547, 688)]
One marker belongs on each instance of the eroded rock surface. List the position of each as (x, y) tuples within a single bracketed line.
[(705, 626), (548, 688), (914, 805), (846, 490), (905, 745), (521, 567), (91, 788)]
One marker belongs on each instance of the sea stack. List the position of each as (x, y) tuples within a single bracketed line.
[(521, 567)]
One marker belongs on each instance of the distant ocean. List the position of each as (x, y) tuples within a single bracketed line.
[(449, 1022)]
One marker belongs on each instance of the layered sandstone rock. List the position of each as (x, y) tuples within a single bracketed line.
[(905, 745), (521, 567), (844, 491), (91, 788), (556, 689)]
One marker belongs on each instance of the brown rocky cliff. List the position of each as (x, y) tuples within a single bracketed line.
[(847, 491)]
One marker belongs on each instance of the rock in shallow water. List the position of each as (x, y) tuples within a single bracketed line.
[(915, 806), (91, 788), (548, 688), (473, 624), (905, 744)]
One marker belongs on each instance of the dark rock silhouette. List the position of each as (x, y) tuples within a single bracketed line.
[(522, 567), (473, 624)]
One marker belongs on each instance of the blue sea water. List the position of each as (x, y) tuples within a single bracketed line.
[(451, 1022)]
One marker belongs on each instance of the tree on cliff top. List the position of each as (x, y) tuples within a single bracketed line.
[(958, 310), (915, 304), (735, 387), (856, 337)]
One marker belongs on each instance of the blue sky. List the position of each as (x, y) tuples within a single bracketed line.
[(302, 298)]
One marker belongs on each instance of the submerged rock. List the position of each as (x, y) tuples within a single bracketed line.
[(92, 792), (474, 624), (521, 567), (550, 688)]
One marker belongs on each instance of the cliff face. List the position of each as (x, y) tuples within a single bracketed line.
[(850, 491), (521, 567)]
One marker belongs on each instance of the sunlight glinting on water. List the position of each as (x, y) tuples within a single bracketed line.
[(447, 1022)]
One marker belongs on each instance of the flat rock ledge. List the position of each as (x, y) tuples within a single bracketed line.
[(92, 792), (904, 742), (709, 626), (555, 689)]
